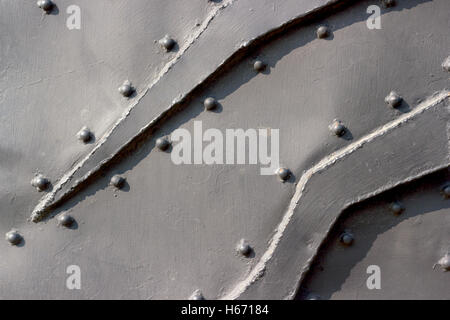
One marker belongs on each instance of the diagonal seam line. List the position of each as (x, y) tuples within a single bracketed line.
[(47, 200), (326, 162)]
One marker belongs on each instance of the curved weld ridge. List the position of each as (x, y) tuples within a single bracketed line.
[(323, 164)]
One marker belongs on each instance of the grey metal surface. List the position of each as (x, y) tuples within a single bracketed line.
[(173, 229), (54, 81), (405, 247)]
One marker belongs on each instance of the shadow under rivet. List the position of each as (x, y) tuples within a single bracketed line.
[(46, 5), (13, 237), (84, 135), (323, 32), (40, 182), (283, 173), (162, 143), (197, 295), (167, 43), (259, 66), (397, 207), (210, 103), (244, 248), (393, 99), (313, 296), (66, 220), (346, 238), (388, 3), (126, 89), (337, 128), (117, 181)]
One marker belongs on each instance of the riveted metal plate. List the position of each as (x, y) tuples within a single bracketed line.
[(172, 230)]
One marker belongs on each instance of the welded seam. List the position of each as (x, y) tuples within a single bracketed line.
[(48, 199), (323, 164), (359, 199)]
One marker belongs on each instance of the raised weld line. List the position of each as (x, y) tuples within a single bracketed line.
[(48, 199), (326, 162)]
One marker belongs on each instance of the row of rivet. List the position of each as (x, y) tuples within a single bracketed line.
[(397, 208), (85, 135), (15, 238), (347, 237)]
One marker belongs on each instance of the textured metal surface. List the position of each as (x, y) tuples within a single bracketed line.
[(405, 247), (140, 226)]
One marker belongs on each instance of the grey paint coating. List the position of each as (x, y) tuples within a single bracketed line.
[(192, 66), (172, 230), (405, 247), (369, 168), (54, 81)]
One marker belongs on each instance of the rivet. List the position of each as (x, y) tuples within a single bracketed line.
[(283, 173), (446, 191), (397, 207), (259, 66), (393, 99), (162, 143), (117, 181), (322, 32), (167, 42), (84, 135), (446, 64), (337, 128), (197, 295), (40, 182), (313, 296), (244, 248), (346, 238), (444, 262), (66, 220), (13, 237), (388, 3), (210, 103), (126, 89), (46, 5)]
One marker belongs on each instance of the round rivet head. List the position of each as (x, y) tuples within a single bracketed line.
[(397, 207), (13, 237), (259, 66), (162, 143), (84, 135), (446, 64), (168, 43), (388, 3), (446, 191), (244, 248), (283, 173), (40, 182), (46, 5), (337, 128), (210, 103), (126, 89), (347, 238), (197, 295), (444, 262), (322, 32), (66, 220), (393, 99), (118, 181)]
